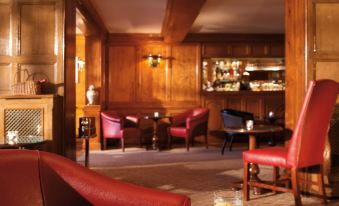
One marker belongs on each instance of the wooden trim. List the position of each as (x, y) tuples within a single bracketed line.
[(87, 9), (104, 73), (5, 60), (270, 187), (242, 93), (242, 38), (179, 17), (135, 38), (69, 137), (295, 65)]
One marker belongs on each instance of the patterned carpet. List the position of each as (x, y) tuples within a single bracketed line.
[(197, 173)]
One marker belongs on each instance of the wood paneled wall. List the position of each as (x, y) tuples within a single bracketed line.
[(311, 49), (31, 34), (258, 103), (323, 48), (134, 86)]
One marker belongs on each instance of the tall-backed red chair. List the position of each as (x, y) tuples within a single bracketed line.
[(188, 125), (307, 144), (38, 178), (118, 126)]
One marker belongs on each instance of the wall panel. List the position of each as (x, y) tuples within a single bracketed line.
[(5, 84), (327, 70), (5, 19), (254, 105), (215, 106), (184, 73), (152, 82), (326, 24), (31, 33), (122, 74), (37, 29)]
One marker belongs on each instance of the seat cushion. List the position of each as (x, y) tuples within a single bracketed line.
[(178, 132), (19, 179), (275, 156)]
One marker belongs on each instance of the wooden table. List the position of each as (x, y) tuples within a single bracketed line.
[(257, 129), (155, 138)]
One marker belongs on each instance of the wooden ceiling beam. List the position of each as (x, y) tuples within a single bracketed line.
[(179, 17), (87, 9)]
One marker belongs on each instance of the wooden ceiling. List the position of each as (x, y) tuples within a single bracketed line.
[(174, 19)]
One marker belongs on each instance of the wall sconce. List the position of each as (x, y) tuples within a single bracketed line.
[(79, 64), (79, 67), (153, 60)]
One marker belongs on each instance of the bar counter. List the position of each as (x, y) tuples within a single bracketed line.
[(260, 103)]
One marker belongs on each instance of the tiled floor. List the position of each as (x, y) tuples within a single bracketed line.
[(198, 173)]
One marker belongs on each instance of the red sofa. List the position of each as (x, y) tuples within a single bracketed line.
[(36, 178)]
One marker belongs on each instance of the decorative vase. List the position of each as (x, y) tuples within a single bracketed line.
[(91, 95)]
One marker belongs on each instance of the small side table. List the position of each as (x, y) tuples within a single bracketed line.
[(87, 130), (155, 138)]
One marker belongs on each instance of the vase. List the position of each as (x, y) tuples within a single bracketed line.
[(91, 95)]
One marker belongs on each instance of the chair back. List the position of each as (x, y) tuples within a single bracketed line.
[(200, 111), (234, 118), (111, 124), (308, 140), (197, 122)]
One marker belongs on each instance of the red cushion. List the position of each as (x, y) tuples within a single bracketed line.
[(275, 156), (39, 178), (178, 132)]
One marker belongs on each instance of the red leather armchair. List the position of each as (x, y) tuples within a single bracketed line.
[(118, 126), (188, 125), (39, 178), (307, 145)]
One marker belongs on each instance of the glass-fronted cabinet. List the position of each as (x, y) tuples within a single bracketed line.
[(234, 74)]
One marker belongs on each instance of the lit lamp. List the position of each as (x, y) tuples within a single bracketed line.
[(154, 60)]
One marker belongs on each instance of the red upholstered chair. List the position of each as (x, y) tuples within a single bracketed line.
[(306, 147), (118, 126), (188, 125), (36, 178)]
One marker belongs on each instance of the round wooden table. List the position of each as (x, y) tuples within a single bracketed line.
[(257, 129), (155, 138)]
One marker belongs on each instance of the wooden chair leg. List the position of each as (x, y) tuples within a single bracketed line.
[(223, 146), (275, 177), (206, 141), (295, 186), (321, 184), (104, 142), (122, 144), (140, 140), (187, 144), (231, 143), (169, 141), (246, 194)]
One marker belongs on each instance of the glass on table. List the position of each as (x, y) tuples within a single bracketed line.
[(249, 124), (228, 198)]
